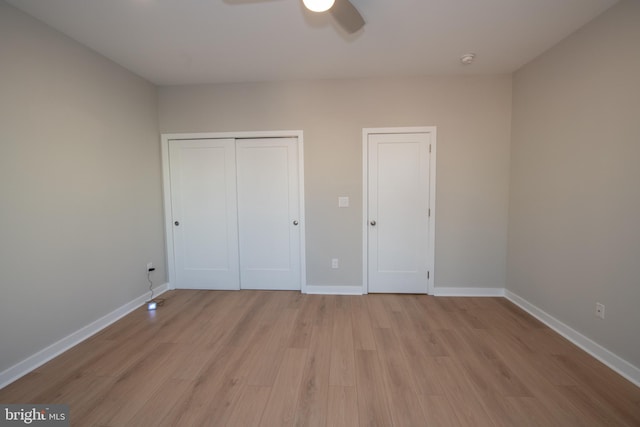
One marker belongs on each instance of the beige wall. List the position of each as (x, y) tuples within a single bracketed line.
[(574, 237), (80, 186), (472, 115)]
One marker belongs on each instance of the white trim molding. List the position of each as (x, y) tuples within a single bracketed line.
[(613, 361), (38, 359), (333, 290), (468, 292)]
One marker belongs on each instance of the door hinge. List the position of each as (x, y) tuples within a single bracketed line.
[(429, 147), (428, 274), (429, 214)]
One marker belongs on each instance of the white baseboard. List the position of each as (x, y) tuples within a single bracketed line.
[(43, 356), (448, 292), (333, 290), (468, 292), (613, 361)]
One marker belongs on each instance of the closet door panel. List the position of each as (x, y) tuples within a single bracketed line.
[(268, 214), (204, 214)]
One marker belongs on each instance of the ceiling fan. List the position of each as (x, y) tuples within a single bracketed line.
[(343, 11)]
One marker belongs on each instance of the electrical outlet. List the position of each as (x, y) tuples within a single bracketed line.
[(149, 266), (334, 263), (600, 310)]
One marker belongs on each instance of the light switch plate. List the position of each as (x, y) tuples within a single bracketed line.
[(343, 201)]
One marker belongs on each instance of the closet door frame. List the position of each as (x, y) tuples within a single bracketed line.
[(166, 189)]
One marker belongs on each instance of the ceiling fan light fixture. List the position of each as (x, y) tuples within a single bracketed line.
[(318, 5)]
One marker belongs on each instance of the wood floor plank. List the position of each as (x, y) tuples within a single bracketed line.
[(377, 311), (423, 368), (438, 411), (343, 407), (161, 403), (324, 312), (132, 389), (397, 371), (362, 327), (529, 411), (194, 407), (515, 411), (422, 340), (226, 397), (281, 406), (266, 366), (247, 411), (212, 332), (286, 358), (545, 364), (192, 360), (314, 390), (253, 310), (461, 393), (83, 394), (596, 410), (430, 310), (373, 403), (23, 389), (301, 333), (218, 389), (484, 366), (615, 402), (342, 370), (404, 403), (550, 397), (188, 326)]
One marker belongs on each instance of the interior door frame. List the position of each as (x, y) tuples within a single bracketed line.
[(431, 130), (166, 189)]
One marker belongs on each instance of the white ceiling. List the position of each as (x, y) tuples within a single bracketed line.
[(173, 42)]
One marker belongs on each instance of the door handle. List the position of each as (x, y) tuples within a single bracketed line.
[(373, 223), (295, 222), (177, 223)]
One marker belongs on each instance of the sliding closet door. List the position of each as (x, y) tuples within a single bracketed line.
[(268, 213), (204, 213)]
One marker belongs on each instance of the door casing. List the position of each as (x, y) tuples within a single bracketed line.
[(166, 188), (431, 130)]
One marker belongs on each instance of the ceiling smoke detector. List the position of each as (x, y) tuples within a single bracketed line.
[(467, 58)]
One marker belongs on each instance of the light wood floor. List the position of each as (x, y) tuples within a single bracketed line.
[(282, 358)]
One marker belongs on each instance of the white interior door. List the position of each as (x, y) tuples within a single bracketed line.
[(398, 212), (204, 213), (268, 213)]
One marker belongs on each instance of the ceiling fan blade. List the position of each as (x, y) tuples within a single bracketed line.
[(347, 16)]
